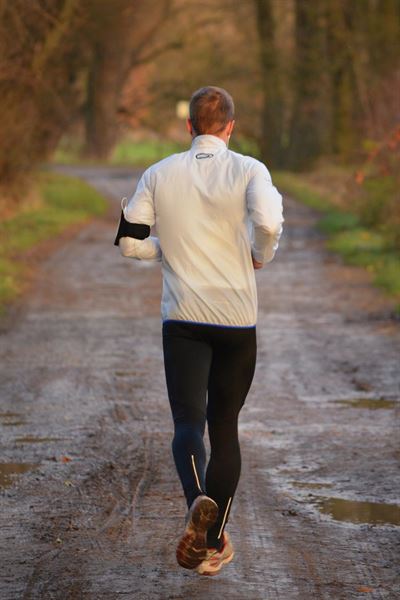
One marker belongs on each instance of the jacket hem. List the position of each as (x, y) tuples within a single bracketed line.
[(229, 326)]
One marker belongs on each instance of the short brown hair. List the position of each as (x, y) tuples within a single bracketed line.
[(211, 108)]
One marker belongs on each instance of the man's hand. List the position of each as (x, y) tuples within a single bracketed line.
[(256, 264)]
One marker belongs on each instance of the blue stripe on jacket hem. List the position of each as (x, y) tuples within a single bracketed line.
[(209, 324)]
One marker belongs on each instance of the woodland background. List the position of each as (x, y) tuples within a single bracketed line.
[(316, 85)]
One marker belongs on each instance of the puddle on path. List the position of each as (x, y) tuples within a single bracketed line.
[(352, 511), (9, 419), (126, 373), (311, 485), (9, 471), (30, 439), (6, 415), (369, 403)]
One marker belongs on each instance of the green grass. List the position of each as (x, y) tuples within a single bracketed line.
[(358, 245), (65, 202), (365, 248), (336, 222), (69, 151), (295, 186), (147, 152), (143, 154), (10, 272), (139, 153), (126, 153)]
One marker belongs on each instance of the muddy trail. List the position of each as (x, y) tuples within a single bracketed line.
[(90, 503)]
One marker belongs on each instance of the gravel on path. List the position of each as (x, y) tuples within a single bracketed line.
[(91, 505)]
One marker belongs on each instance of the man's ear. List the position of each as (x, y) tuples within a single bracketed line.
[(230, 127), (189, 127)]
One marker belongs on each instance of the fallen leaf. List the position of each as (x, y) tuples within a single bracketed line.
[(359, 177), (364, 589), (65, 459)]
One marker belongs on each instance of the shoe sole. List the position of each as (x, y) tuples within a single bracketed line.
[(223, 562), (192, 547)]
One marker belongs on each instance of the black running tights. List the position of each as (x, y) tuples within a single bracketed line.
[(209, 370)]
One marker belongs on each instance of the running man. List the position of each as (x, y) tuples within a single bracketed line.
[(218, 217)]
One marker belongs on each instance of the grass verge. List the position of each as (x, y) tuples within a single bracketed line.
[(127, 152), (358, 245), (137, 153), (65, 202), (145, 153)]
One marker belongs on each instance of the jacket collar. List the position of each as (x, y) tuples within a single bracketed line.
[(209, 142)]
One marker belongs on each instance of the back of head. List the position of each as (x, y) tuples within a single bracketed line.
[(211, 109)]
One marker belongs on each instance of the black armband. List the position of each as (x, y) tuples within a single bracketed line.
[(133, 230)]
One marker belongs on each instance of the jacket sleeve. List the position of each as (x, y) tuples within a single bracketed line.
[(139, 214), (148, 249), (264, 206)]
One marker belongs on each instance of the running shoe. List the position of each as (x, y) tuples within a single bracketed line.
[(216, 559), (192, 547)]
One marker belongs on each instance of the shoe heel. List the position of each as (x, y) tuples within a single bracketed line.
[(192, 547), (206, 514)]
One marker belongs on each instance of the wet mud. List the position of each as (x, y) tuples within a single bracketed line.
[(31, 439), (11, 419), (353, 511), (91, 505), (370, 403), (9, 472)]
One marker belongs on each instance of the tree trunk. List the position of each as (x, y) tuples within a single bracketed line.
[(103, 92), (272, 150), (311, 119), (113, 24)]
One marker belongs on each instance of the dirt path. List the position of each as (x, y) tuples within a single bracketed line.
[(84, 413)]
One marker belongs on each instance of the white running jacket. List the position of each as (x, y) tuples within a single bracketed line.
[(213, 210)]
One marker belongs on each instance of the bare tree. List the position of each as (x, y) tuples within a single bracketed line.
[(311, 125), (271, 139)]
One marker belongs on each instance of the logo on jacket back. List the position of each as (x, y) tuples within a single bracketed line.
[(204, 155)]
